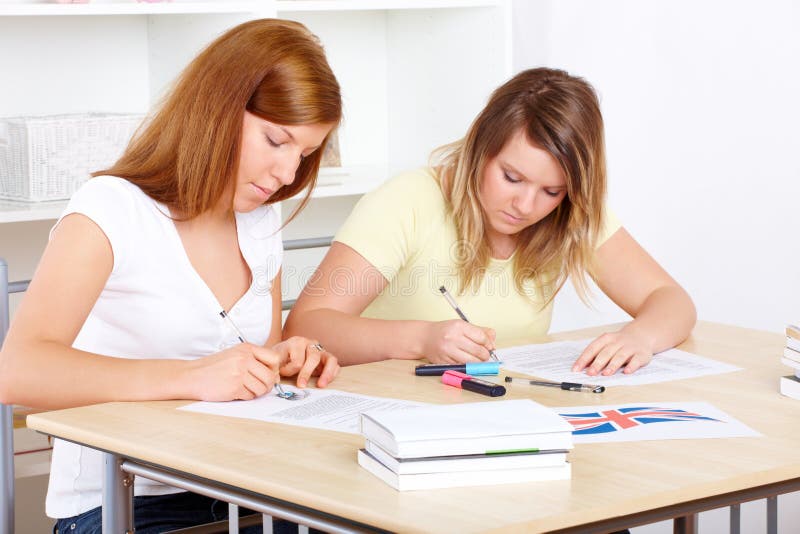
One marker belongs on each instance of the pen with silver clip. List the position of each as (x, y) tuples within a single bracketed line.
[(569, 386), (224, 315), (452, 302)]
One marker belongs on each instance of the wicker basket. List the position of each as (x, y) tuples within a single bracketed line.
[(48, 158)]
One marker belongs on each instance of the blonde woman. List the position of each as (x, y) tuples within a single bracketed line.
[(501, 220)]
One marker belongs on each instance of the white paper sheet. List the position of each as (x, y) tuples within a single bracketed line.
[(652, 421), (328, 409), (553, 361)]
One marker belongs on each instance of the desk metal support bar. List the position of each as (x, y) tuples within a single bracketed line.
[(313, 242), (309, 518), (6, 423), (117, 512), (736, 519), (772, 514)]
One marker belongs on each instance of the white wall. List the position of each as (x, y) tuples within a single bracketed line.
[(701, 107)]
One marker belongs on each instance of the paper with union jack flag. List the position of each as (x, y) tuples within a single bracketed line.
[(652, 421)]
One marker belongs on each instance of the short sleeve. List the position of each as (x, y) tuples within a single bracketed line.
[(387, 225), (108, 202), (610, 225)]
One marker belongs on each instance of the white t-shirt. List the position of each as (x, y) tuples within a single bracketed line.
[(155, 305)]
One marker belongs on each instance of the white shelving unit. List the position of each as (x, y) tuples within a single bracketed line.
[(413, 72)]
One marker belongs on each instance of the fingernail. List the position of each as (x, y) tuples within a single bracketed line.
[(302, 383)]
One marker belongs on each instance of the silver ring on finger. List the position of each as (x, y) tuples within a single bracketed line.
[(318, 346)]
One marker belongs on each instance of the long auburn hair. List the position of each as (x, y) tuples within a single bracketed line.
[(186, 156), (560, 114)]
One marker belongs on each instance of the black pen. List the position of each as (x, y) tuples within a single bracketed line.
[(569, 386), (453, 303)]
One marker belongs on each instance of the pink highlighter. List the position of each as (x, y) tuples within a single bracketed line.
[(470, 383)]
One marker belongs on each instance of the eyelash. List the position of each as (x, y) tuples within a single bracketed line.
[(508, 178), (273, 144)]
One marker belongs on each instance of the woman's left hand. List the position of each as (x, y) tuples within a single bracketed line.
[(305, 357), (612, 351)]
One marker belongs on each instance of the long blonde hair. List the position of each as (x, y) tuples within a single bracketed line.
[(560, 114), (187, 156)]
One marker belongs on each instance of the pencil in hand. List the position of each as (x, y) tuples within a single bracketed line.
[(452, 302)]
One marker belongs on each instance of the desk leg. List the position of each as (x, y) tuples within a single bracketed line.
[(266, 523), (685, 525), (117, 513), (772, 515), (233, 518), (736, 519)]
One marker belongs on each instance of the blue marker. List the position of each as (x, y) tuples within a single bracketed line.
[(471, 368)]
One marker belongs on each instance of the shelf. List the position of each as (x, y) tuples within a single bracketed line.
[(236, 6), (344, 181), (127, 8), (13, 211), (369, 5), (335, 182), (32, 464), (32, 451)]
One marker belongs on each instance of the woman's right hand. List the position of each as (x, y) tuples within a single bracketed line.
[(456, 341), (243, 371)]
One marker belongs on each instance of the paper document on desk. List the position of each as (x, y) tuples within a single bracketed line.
[(651, 421), (553, 361), (328, 409)]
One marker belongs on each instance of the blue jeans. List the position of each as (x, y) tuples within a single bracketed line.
[(159, 513)]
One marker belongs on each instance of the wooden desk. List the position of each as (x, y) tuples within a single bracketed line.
[(613, 484)]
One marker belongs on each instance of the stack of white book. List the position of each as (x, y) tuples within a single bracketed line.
[(472, 444), (790, 384)]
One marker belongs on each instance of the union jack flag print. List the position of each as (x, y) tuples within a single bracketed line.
[(604, 421)]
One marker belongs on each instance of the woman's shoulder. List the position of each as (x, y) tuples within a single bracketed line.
[(418, 188), (423, 178), (111, 189)]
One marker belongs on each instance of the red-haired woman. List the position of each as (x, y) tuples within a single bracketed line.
[(127, 301)]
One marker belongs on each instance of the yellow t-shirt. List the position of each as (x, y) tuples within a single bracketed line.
[(403, 230)]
